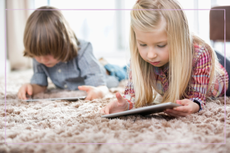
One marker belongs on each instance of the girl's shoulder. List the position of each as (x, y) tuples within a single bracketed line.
[(200, 49), (200, 52)]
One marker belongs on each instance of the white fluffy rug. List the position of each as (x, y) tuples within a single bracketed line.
[(62, 126)]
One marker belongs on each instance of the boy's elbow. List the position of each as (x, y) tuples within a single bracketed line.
[(38, 88), (44, 88)]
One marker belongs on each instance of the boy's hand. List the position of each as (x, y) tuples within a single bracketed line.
[(115, 106), (188, 107), (25, 89), (94, 92)]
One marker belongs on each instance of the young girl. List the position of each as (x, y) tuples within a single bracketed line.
[(59, 55), (168, 60)]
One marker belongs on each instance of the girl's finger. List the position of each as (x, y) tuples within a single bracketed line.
[(178, 102), (182, 102), (182, 109), (175, 113), (102, 110), (107, 109), (120, 99), (171, 114)]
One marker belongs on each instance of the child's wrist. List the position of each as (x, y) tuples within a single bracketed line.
[(197, 104), (126, 105), (197, 107)]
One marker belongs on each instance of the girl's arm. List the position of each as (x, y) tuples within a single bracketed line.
[(188, 107), (129, 93), (198, 87), (200, 77), (121, 103), (115, 106)]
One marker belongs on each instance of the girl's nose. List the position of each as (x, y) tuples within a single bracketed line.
[(152, 54)]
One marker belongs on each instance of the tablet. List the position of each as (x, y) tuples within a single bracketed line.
[(53, 99), (144, 110)]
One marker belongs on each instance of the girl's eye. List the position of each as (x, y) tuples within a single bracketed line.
[(161, 46), (143, 45)]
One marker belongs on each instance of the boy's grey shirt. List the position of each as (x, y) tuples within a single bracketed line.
[(84, 69)]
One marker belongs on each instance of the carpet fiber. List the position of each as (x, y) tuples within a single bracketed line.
[(62, 126)]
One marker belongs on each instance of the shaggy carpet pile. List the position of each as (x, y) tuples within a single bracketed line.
[(77, 126)]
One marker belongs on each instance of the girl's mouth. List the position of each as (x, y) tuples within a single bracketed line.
[(154, 63)]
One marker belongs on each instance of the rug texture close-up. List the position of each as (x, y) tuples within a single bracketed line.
[(77, 126)]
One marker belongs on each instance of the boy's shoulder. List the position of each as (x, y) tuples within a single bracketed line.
[(36, 62), (84, 47), (82, 42)]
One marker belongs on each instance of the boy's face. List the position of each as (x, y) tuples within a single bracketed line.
[(47, 60), (153, 47)]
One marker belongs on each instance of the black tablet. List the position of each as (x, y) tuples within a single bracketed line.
[(144, 110), (54, 99)]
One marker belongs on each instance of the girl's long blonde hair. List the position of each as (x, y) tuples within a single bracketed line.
[(145, 16)]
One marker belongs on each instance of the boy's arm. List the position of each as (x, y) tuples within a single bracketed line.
[(92, 71), (38, 88), (38, 82), (94, 92), (39, 78), (30, 89)]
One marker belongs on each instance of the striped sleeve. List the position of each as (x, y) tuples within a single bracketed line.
[(129, 93), (200, 78)]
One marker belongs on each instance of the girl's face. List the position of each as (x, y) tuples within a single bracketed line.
[(47, 60), (153, 46)]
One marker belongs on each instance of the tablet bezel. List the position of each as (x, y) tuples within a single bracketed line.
[(54, 99), (144, 110)]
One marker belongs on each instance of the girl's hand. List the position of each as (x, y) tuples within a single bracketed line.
[(94, 92), (188, 107), (25, 89), (115, 106)]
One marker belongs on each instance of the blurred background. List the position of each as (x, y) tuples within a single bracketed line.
[(107, 30)]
